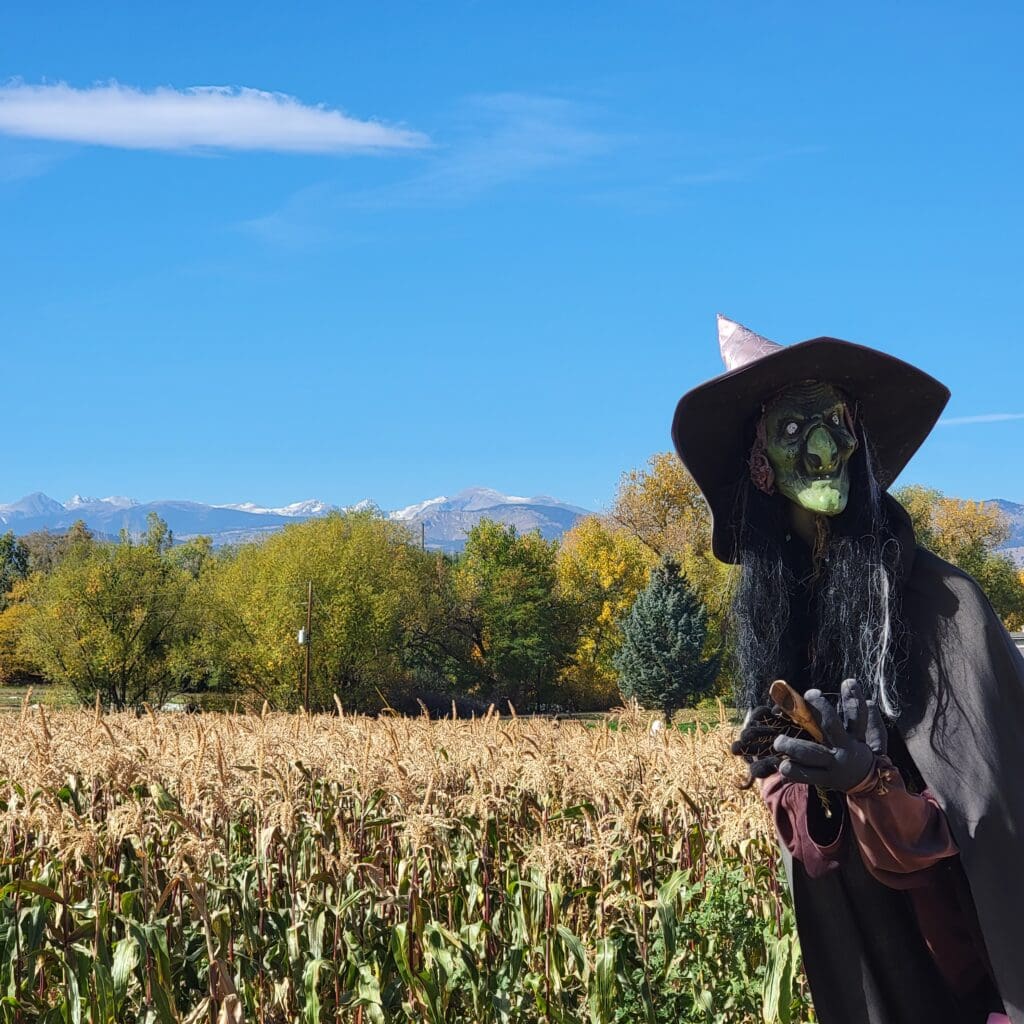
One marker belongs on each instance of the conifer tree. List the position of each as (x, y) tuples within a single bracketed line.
[(660, 662)]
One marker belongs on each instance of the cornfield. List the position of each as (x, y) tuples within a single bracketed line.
[(272, 867)]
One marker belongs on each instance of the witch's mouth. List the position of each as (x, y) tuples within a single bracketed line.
[(820, 477)]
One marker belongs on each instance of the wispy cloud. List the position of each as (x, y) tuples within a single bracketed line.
[(988, 417), (202, 117), (16, 165), (505, 138), (490, 142)]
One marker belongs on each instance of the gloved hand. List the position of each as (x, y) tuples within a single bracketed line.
[(754, 743), (845, 758)]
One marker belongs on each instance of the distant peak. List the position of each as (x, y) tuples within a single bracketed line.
[(34, 504), (490, 492), (297, 509), (412, 511), (113, 501)]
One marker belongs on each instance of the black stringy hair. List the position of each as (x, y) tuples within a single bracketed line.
[(850, 591)]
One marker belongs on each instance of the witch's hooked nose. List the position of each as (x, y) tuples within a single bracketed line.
[(820, 452)]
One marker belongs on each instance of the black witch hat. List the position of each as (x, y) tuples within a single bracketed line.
[(714, 424)]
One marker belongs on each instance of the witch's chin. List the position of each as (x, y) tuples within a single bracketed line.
[(823, 497)]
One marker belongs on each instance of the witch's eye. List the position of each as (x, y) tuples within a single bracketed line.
[(792, 428), (835, 419)]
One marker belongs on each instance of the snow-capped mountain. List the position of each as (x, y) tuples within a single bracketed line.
[(114, 501), (442, 522), (411, 512), (111, 516), (473, 499), (296, 510), (35, 505)]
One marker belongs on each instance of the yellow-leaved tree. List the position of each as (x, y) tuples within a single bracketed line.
[(16, 668), (601, 569), (968, 534)]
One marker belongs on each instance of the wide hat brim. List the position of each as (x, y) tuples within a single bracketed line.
[(713, 428)]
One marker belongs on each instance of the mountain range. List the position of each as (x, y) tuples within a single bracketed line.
[(1015, 514), (442, 522)]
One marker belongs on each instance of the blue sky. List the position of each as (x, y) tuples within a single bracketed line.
[(412, 247)]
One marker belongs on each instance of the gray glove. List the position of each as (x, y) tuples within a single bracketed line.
[(848, 752)]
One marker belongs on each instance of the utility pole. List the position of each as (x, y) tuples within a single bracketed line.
[(423, 536), (309, 645)]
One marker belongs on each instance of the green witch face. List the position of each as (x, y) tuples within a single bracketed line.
[(808, 439)]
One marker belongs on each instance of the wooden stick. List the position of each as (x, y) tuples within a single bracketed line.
[(795, 708)]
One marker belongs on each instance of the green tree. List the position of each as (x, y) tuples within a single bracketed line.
[(193, 556), (370, 587), (1001, 580), (46, 550), (112, 619), (661, 661), (13, 564), (518, 631)]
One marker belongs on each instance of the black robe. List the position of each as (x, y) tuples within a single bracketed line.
[(962, 726)]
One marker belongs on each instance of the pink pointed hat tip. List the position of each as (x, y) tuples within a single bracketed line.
[(740, 345), (725, 326)]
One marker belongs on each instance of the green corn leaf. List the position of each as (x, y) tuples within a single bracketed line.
[(311, 989), (368, 996), (72, 995), (36, 888), (162, 986), (575, 948), (783, 960), (602, 994), (316, 934)]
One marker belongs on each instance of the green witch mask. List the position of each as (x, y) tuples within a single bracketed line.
[(804, 443)]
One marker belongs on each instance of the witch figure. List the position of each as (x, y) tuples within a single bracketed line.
[(900, 810)]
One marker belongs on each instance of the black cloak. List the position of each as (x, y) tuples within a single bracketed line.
[(961, 732), (962, 727)]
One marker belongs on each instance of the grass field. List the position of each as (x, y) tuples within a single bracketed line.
[(269, 867)]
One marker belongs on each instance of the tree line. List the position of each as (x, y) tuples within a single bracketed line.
[(627, 604)]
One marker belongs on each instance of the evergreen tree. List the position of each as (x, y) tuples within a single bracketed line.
[(664, 632)]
